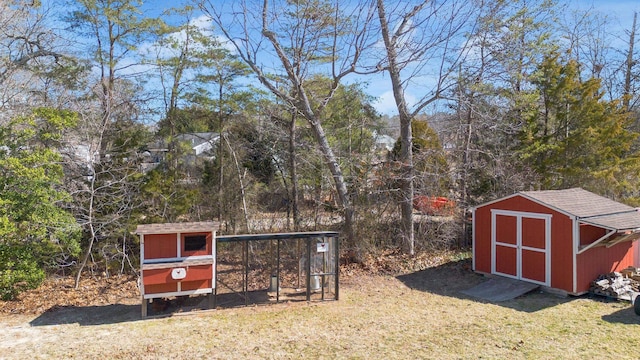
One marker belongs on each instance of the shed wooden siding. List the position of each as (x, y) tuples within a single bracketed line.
[(561, 239), (533, 237), (602, 260), (590, 233)]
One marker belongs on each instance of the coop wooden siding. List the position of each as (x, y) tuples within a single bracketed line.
[(195, 285), (160, 288), (162, 276), (160, 246)]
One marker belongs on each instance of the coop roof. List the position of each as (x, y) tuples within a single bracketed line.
[(172, 228), (588, 208)]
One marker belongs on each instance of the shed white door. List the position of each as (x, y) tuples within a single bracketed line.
[(520, 245)]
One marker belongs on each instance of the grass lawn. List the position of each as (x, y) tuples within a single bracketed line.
[(416, 315)]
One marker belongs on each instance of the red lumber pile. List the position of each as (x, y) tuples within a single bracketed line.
[(434, 205)]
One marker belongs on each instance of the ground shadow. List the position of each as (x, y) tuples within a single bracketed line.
[(117, 313), (623, 316), (88, 315), (259, 297), (451, 278)]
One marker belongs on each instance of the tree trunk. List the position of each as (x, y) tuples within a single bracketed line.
[(629, 66), (92, 231), (245, 212), (219, 156), (338, 178), (293, 169), (406, 148)]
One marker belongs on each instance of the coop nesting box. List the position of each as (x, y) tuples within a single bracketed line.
[(176, 259)]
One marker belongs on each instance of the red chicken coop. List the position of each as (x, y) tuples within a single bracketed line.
[(176, 259)]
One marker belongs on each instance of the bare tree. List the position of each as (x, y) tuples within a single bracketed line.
[(30, 56), (294, 41), (422, 46), (588, 39), (629, 66), (113, 29), (494, 96)]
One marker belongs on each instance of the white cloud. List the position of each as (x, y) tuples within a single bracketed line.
[(386, 103), (203, 23)]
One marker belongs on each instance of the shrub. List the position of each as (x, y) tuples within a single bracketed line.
[(19, 270)]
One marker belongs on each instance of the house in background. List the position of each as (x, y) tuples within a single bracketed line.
[(383, 143), (201, 145), (560, 239)]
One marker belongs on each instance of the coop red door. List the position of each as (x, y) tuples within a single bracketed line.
[(521, 245)]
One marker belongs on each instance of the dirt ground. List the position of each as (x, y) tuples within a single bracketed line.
[(58, 293), (391, 307), (57, 320)]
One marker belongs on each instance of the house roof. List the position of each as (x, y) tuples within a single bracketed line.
[(588, 207), (198, 138), (200, 142)]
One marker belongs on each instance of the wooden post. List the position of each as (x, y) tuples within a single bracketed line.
[(144, 301), (308, 269), (144, 307), (336, 240)]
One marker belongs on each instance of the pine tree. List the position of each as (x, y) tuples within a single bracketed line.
[(576, 138)]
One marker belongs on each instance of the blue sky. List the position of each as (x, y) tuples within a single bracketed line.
[(378, 86), (620, 11)]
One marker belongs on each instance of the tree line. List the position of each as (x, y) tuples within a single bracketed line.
[(102, 105)]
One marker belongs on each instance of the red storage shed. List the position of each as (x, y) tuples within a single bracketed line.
[(176, 259), (560, 239)]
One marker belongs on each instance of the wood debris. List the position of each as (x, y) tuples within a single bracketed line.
[(617, 284)]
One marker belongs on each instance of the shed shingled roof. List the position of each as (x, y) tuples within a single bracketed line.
[(590, 208)]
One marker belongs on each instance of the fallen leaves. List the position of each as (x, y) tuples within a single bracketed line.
[(58, 292)]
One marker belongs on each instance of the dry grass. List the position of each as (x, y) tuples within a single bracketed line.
[(417, 315)]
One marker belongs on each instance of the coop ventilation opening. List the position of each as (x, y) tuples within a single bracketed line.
[(195, 243)]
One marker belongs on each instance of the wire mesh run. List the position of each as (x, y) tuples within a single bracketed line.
[(266, 268)]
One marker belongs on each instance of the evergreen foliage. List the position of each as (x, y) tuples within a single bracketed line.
[(576, 138), (429, 161), (36, 232)]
